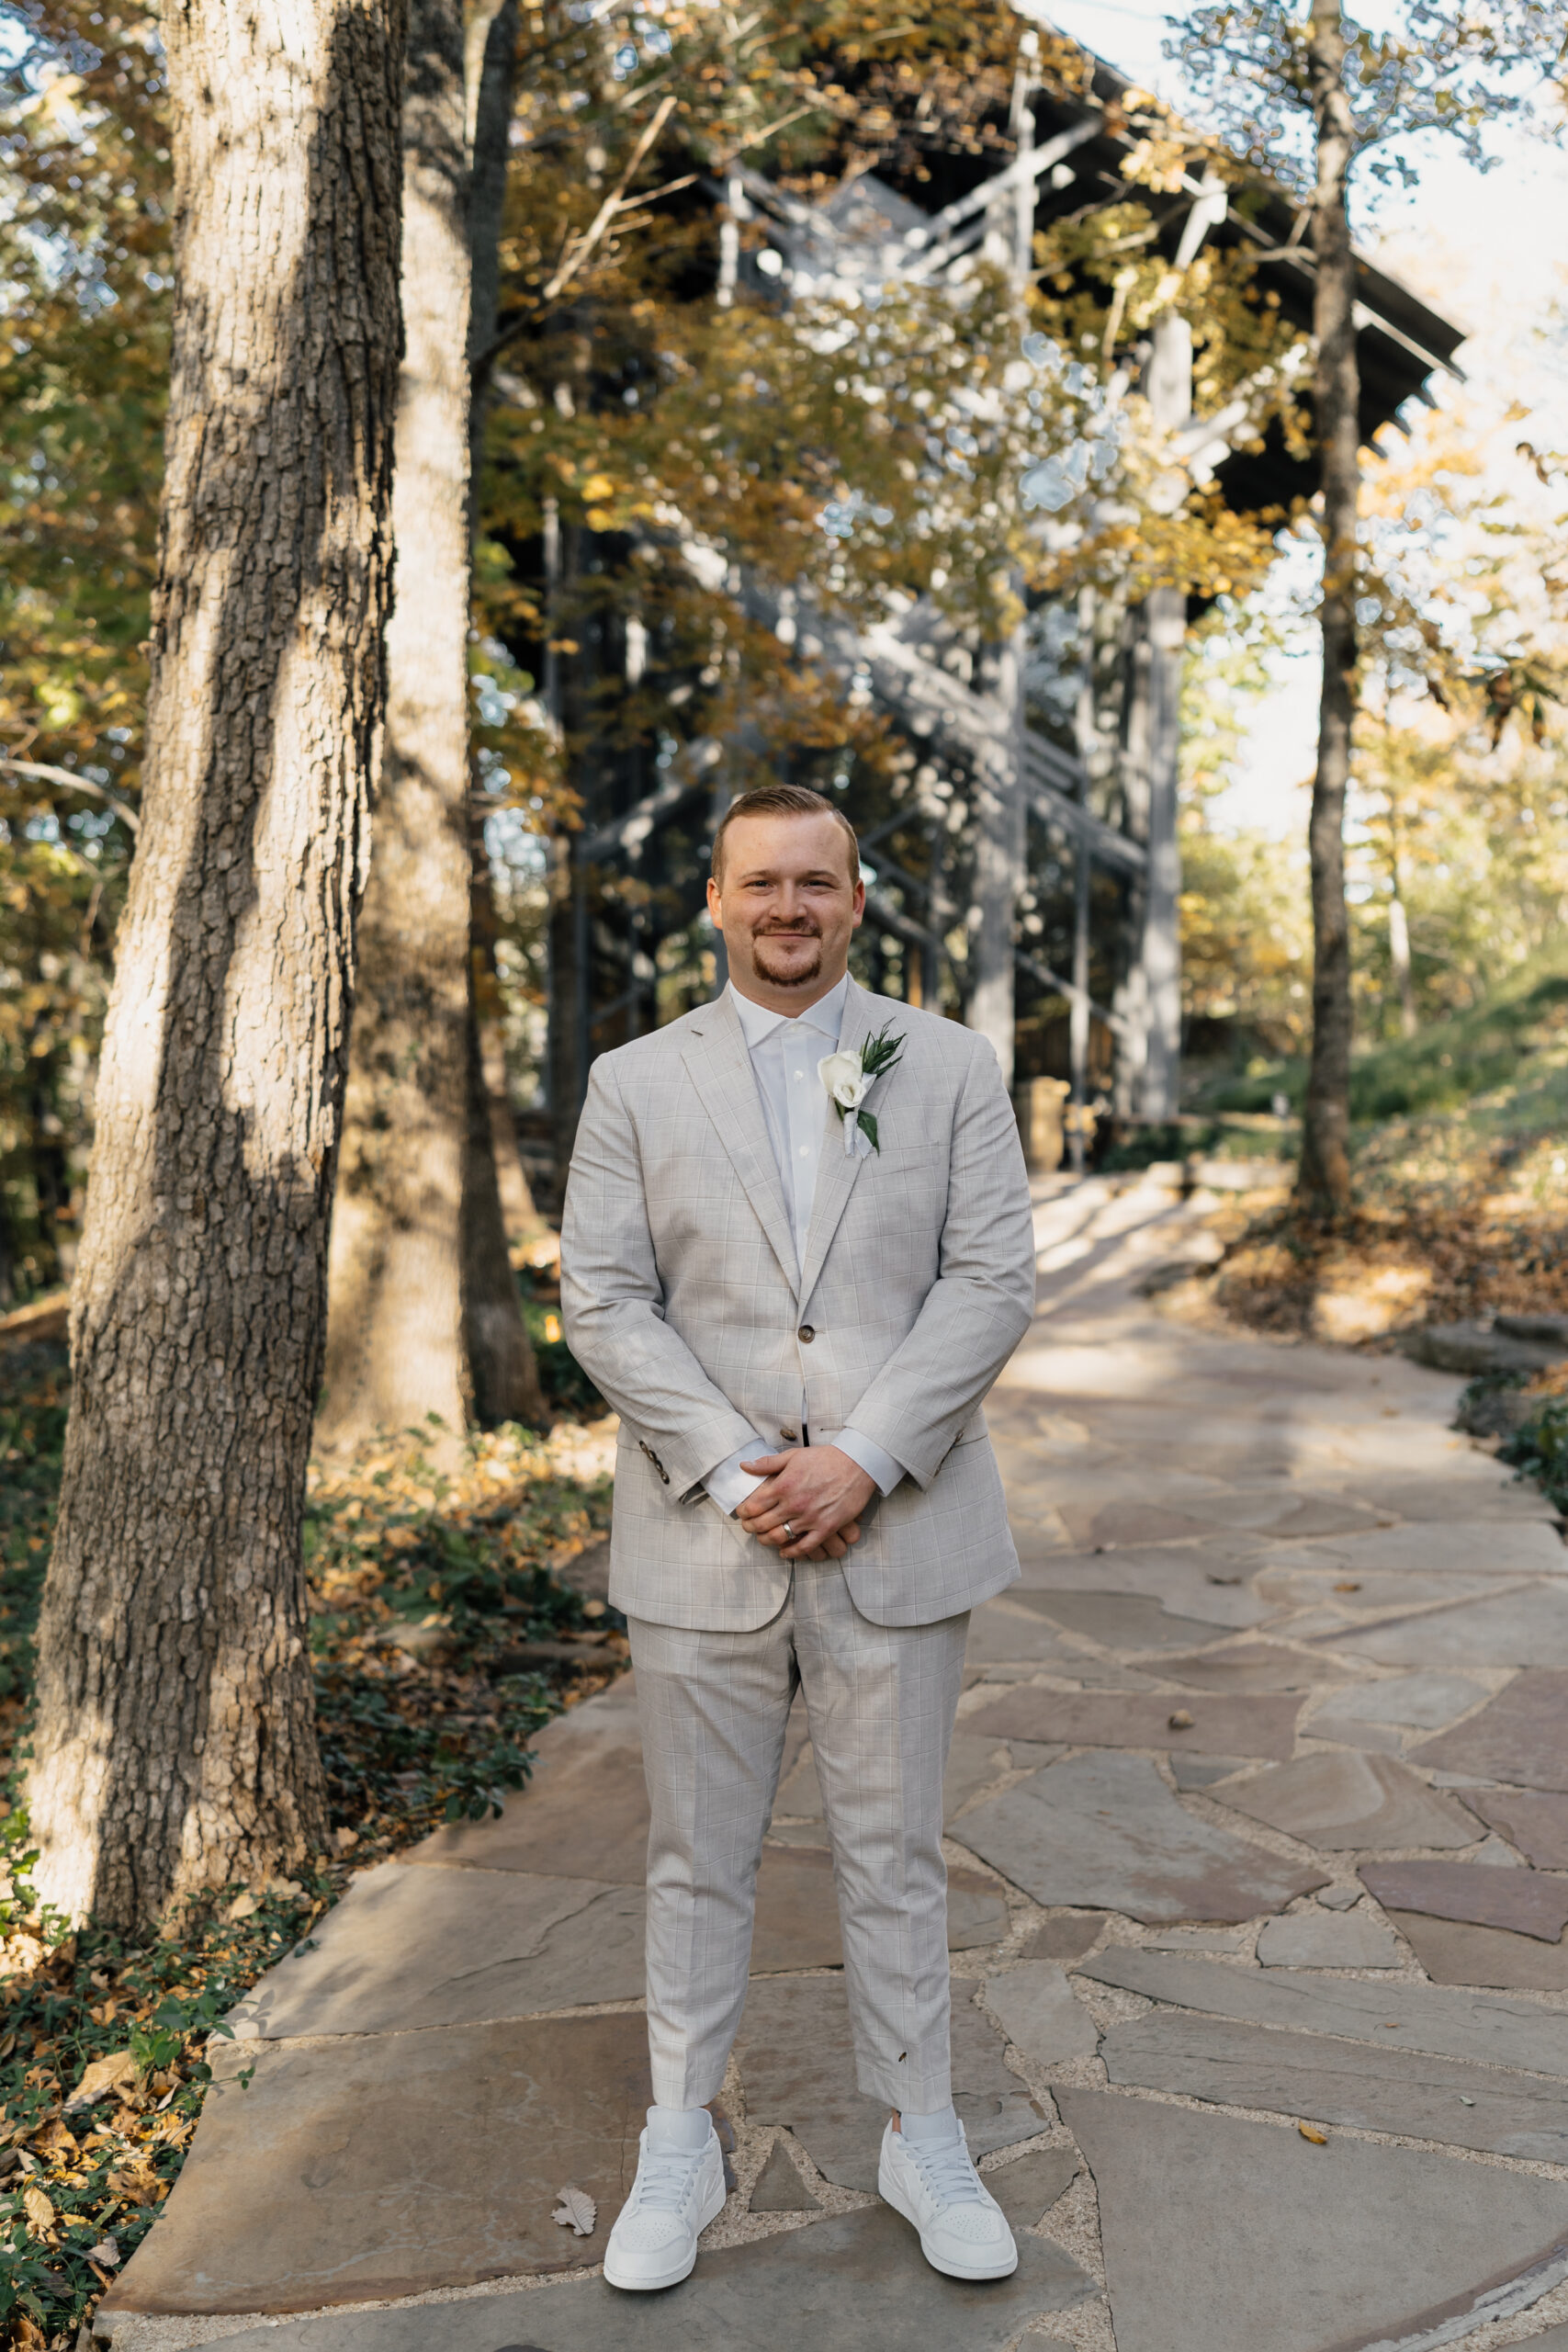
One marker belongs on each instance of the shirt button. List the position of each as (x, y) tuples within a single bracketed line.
[(805, 1151), (806, 1332)]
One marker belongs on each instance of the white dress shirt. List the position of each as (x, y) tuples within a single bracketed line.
[(786, 1050)]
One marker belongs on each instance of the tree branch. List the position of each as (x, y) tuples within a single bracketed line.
[(47, 775)]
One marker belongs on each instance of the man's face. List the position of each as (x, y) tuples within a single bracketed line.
[(786, 906)]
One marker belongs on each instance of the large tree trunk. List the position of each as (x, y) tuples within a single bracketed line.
[(395, 1348), (174, 1746), (1323, 1181), (409, 1334)]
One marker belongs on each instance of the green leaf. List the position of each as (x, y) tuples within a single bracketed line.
[(868, 1127)]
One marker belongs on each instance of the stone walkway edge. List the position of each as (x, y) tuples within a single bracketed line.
[(1258, 1835)]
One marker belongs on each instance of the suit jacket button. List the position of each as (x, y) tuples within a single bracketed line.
[(807, 1333)]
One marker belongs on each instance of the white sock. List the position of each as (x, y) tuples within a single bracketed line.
[(934, 2131), (679, 2130)]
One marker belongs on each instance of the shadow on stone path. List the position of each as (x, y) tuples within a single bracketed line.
[(1259, 1845)]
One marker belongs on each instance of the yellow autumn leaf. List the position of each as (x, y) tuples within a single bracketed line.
[(1309, 2131), (38, 2211), (105, 2074), (597, 487)]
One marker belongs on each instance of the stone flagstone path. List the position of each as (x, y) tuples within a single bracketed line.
[(1258, 1815)]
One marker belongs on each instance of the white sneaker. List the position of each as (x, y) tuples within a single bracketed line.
[(964, 2230), (674, 2198)]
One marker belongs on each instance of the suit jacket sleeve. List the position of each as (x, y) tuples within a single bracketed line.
[(613, 1301), (983, 1299)]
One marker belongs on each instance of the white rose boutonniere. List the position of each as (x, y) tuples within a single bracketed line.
[(849, 1078)]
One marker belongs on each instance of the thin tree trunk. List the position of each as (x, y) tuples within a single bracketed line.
[(518, 1213), (506, 1377), (395, 1351), (1324, 1179), (174, 1745), (492, 68), (499, 1207), (1399, 961)]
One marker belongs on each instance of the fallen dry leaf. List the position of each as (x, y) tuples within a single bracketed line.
[(242, 1907), (38, 2208), (1181, 1720), (576, 2210), (105, 2074), (106, 2251), (28, 2338), (1309, 2131)]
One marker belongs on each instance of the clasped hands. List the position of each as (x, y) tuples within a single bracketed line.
[(809, 1503)]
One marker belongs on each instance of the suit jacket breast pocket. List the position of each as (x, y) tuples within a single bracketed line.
[(911, 1155)]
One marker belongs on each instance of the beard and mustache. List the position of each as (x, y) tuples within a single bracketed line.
[(776, 975)]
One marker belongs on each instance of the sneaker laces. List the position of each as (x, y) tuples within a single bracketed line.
[(665, 2178), (949, 2171)]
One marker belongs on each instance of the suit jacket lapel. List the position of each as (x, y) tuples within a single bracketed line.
[(837, 1171), (721, 1069)]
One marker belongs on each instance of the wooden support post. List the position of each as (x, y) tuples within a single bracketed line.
[(1000, 853), (1001, 846), (1164, 621), (1077, 1028)]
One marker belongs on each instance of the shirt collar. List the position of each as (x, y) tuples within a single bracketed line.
[(758, 1023)]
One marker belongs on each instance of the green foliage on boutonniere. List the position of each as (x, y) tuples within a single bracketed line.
[(850, 1078)]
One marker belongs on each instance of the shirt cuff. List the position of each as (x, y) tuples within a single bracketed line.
[(876, 1464), (728, 1486)]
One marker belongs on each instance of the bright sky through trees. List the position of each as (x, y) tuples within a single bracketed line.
[(1489, 250)]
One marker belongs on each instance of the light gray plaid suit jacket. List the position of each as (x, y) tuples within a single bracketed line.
[(681, 1299)]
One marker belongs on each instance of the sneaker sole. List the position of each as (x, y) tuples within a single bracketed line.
[(890, 2195), (683, 2271)]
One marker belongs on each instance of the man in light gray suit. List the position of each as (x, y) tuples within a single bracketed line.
[(797, 1252)]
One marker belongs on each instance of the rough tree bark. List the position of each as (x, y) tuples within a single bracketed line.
[(394, 1337), (410, 1334), (1323, 1178), (175, 1746)]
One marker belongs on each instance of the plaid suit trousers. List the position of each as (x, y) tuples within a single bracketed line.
[(880, 1702)]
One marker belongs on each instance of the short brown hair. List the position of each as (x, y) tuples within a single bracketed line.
[(782, 800)]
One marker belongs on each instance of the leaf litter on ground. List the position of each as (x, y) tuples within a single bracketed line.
[(103, 2039), (576, 2210)]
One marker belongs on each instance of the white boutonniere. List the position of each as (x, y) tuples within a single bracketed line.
[(849, 1078)]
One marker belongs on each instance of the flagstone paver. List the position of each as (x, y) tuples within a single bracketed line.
[(779, 2187), (1208, 1726), (1523, 1901), (1525, 1627), (1326, 1940), (1341, 1802), (1423, 1701), (1103, 1830), (1534, 1820), (1222, 2236), (1027, 2186), (1522, 1737), (1035, 2006), (1329, 2081), (1301, 1554), (391, 2162), (1453, 1952), (844, 2284), (1486, 2027)]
